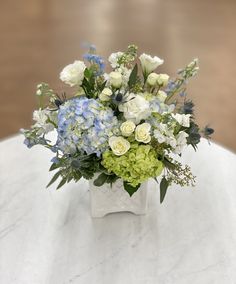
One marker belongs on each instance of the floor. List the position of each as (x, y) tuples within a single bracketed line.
[(39, 37)]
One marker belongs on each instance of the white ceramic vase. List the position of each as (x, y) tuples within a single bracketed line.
[(106, 199)]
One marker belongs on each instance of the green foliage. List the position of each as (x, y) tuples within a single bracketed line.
[(73, 168), (163, 188), (130, 189), (133, 76), (100, 180)]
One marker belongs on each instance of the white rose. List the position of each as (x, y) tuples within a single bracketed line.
[(127, 128), (149, 63), (103, 97), (119, 145), (161, 95), (73, 74), (136, 108), (115, 79), (105, 94), (162, 79), (152, 79), (142, 133), (114, 57), (182, 119)]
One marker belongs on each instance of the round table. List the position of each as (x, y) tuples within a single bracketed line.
[(49, 237)]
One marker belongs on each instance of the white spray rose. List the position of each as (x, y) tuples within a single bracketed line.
[(119, 145), (115, 79), (149, 63), (183, 119), (105, 94), (73, 74), (161, 95), (163, 79), (127, 128), (152, 79), (142, 133), (136, 108), (114, 57)]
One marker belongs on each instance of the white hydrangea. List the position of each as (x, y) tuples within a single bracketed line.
[(136, 108)]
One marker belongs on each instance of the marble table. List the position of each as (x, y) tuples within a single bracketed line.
[(48, 236)]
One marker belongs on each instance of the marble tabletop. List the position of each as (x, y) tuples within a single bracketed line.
[(48, 236)]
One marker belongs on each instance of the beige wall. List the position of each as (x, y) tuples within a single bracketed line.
[(39, 37)]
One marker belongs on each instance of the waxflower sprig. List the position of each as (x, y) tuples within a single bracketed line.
[(127, 124)]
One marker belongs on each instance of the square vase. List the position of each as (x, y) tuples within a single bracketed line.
[(110, 199)]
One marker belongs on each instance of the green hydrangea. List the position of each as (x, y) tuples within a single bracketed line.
[(135, 166)]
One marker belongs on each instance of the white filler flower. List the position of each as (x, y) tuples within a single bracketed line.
[(149, 63), (119, 145), (73, 74), (114, 57)]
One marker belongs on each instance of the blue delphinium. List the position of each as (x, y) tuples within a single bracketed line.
[(97, 61), (85, 125)]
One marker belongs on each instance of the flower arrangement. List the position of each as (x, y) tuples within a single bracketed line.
[(128, 124)]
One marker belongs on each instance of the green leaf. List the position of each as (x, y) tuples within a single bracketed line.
[(168, 164), (88, 73), (163, 188), (62, 182), (54, 166), (100, 180), (54, 178), (111, 178), (133, 76), (130, 189)]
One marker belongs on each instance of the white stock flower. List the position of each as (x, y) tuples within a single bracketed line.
[(142, 133), (149, 63), (152, 79), (127, 128), (182, 119), (163, 79), (161, 95), (41, 118), (159, 136), (115, 79), (136, 108), (119, 145), (73, 74), (181, 141), (114, 57)]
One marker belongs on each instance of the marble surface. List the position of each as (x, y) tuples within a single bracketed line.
[(48, 236)]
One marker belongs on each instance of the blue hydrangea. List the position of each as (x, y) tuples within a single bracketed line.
[(86, 125)]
